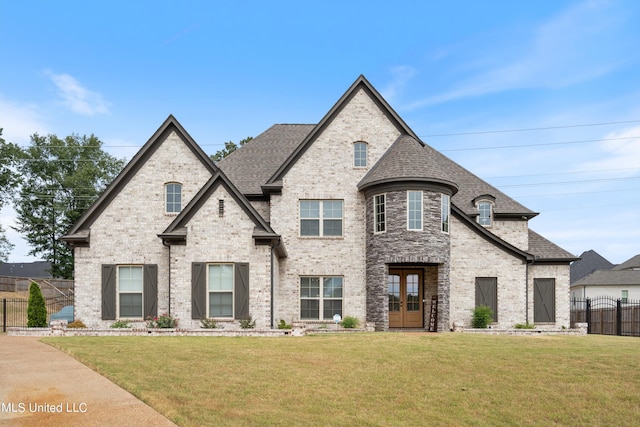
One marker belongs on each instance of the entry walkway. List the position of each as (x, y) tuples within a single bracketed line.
[(42, 386)]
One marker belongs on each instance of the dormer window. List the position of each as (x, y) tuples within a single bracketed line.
[(485, 213), (360, 154), (173, 197)]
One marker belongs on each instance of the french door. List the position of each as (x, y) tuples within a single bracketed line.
[(404, 288)]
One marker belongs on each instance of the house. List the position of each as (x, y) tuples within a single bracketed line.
[(620, 282), (589, 262), (36, 269), (354, 215)]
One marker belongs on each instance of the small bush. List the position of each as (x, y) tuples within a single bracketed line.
[(76, 324), (283, 325), (36, 308), (482, 317), (349, 322), (208, 324), (120, 324), (165, 321), (525, 326), (247, 323)]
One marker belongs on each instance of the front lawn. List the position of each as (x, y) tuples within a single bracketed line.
[(375, 379)]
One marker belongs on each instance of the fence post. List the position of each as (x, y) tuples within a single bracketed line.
[(619, 317), (588, 316), (4, 315)]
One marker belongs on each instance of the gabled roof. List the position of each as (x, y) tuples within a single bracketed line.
[(610, 278), (79, 234), (631, 263), (589, 262), (547, 251), (360, 83), (407, 160), (251, 165), (176, 232)]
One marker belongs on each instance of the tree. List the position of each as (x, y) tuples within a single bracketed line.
[(60, 179), (229, 147), (36, 308), (9, 154)]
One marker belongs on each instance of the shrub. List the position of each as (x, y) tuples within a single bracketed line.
[(208, 323), (283, 325), (76, 324), (482, 316), (165, 321), (247, 323), (36, 308), (120, 324), (525, 326), (349, 322)]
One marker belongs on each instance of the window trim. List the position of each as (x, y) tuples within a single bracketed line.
[(376, 222), (624, 298), (321, 299), (166, 198), (445, 216), (356, 145), (421, 210), (119, 292), (209, 291), (320, 219)]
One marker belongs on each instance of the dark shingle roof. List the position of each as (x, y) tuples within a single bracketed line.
[(610, 277), (407, 160), (251, 166), (37, 269), (629, 264), (589, 262), (545, 250)]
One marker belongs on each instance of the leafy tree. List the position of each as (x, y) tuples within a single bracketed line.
[(36, 308), (9, 153), (61, 178), (229, 147)]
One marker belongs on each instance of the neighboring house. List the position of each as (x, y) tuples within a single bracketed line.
[(620, 282), (589, 262), (34, 270), (354, 216)]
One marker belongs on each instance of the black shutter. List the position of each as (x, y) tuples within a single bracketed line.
[(487, 294), (544, 300), (242, 290), (108, 292), (150, 292), (198, 290)]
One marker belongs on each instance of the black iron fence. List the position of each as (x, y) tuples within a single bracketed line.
[(607, 316), (13, 312)]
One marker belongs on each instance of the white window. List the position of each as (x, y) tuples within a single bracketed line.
[(379, 214), (414, 210), (625, 296), (173, 197), (321, 218), (485, 213), (445, 212), (360, 154), (320, 297), (220, 290), (130, 292)]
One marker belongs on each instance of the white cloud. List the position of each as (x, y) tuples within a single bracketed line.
[(618, 150), (568, 49), (20, 121), (77, 97), (401, 75)]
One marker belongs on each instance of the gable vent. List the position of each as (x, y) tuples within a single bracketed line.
[(221, 207)]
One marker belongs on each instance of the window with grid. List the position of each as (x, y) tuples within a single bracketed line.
[(484, 213), (379, 209), (130, 286), (414, 210), (173, 197), (360, 154), (320, 297), (321, 218), (445, 212)]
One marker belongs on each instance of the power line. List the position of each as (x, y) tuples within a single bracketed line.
[(568, 182), (562, 173), (529, 129), (574, 193), (497, 147)]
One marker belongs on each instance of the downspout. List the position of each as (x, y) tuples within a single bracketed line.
[(272, 284), (164, 243), (526, 294)]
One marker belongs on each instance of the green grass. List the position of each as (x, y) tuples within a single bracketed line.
[(375, 379)]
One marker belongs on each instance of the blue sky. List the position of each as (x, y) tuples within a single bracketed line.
[(539, 98)]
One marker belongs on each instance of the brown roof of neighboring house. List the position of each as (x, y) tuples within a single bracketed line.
[(631, 263), (610, 278)]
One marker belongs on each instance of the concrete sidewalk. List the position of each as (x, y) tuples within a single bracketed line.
[(42, 386)]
